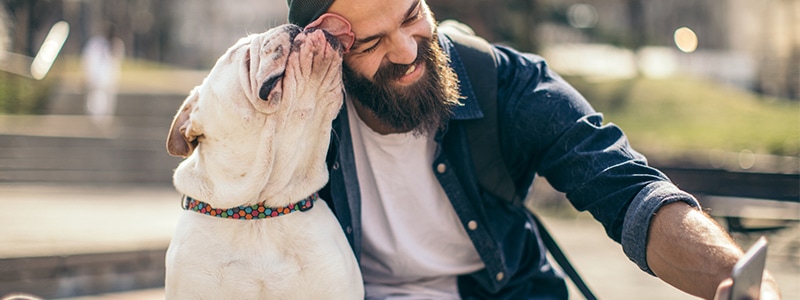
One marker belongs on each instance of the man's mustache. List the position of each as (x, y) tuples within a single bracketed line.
[(390, 71)]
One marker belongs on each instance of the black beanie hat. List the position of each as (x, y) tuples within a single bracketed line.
[(303, 12)]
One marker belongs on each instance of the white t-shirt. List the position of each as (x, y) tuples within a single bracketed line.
[(413, 244)]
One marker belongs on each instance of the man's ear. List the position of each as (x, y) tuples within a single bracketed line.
[(182, 137)]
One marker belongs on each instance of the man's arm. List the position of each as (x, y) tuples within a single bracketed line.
[(690, 251)]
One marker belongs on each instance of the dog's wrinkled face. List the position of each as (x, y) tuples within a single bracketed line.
[(283, 77), (265, 108)]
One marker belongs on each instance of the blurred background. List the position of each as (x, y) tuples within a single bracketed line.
[(708, 90)]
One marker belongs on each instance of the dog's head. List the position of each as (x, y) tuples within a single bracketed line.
[(270, 98)]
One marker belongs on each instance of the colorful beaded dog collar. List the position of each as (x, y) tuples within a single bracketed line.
[(248, 212)]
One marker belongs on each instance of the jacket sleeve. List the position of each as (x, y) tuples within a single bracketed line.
[(548, 128)]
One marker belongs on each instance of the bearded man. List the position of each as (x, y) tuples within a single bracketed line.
[(404, 189)]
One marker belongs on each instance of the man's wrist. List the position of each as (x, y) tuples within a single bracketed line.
[(638, 218)]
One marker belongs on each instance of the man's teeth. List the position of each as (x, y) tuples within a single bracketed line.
[(411, 69)]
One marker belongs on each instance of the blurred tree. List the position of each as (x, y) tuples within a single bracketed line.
[(636, 20), (512, 22), (5, 34), (31, 21), (159, 29), (142, 24)]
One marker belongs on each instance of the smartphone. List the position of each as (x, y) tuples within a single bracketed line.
[(748, 271)]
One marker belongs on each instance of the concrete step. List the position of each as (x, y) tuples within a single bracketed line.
[(144, 294), (73, 159), (72, 149), (82, 274)]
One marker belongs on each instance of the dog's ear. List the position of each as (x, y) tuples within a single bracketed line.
[(182, 137)]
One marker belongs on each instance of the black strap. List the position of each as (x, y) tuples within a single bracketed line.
[(562, 259), (477, 55), (478, 58)]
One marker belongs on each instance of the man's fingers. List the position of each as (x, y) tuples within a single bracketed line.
[(724, 290)]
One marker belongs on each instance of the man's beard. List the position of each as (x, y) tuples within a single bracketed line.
[(422, 107)]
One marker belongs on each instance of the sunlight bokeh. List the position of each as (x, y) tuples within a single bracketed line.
[(686, 39)]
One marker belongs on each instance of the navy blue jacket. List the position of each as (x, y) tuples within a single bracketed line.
[(545, 127)]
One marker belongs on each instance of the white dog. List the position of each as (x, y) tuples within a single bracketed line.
[(255, 134)]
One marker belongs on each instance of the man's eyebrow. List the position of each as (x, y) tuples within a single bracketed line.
[(408, 14)]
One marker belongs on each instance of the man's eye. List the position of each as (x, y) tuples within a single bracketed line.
[(416, 16), (371, 48)]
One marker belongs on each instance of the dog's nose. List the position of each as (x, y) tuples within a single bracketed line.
[(332, 40), (293, 31)]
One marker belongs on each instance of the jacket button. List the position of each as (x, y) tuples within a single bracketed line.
[(500, 276), (349, 229), (441, 168), (472, 225), (335, 165)]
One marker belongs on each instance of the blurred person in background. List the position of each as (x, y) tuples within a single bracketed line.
[(101, 59), (404, 189)]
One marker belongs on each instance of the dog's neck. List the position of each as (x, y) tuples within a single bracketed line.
[(227, 180)]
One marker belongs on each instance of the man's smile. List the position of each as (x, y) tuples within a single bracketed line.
[(413, 74)]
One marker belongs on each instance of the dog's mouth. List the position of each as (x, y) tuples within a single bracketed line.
[(272, 81), (268, 85)]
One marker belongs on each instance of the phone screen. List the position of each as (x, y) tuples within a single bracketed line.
[(748, 271)]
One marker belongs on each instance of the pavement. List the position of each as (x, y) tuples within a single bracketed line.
[(41, 221), (65, 220)]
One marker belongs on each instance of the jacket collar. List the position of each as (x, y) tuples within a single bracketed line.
[(470, 109)]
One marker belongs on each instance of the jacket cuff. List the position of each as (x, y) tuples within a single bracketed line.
[(641, 211)]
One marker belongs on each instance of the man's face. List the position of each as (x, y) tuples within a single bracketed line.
[(396, 68)]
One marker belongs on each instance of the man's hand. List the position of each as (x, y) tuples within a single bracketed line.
[(769, 289), (724, 290)]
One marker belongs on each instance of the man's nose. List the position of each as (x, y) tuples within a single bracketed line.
[(404, 49)]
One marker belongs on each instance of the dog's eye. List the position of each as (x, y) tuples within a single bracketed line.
[(268, 85)]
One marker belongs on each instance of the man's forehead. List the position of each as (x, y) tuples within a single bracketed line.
[(374, 16)]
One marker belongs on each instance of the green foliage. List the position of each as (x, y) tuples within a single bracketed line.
[(21, 95), (679, 114)]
